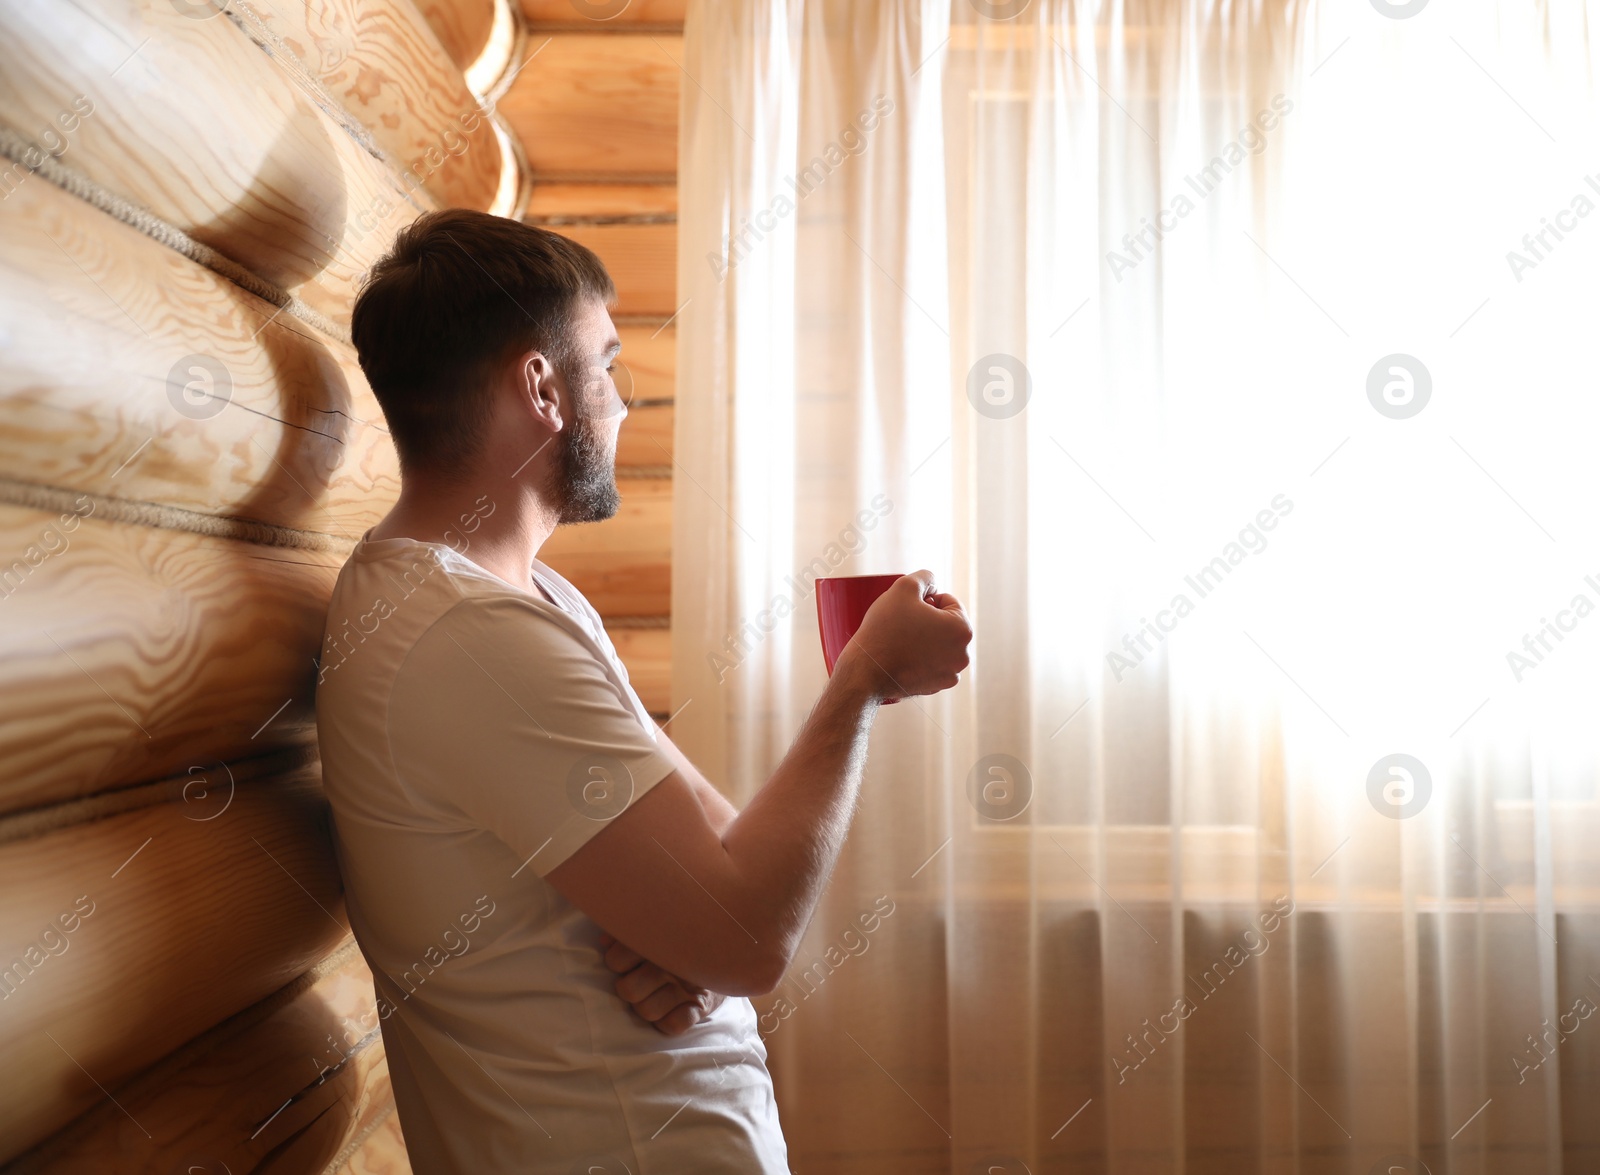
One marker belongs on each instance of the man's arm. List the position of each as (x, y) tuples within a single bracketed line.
[(725, 908), (719, 812), (667, 1001)]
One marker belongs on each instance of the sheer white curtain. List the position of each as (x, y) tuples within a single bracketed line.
[(1234, 362)]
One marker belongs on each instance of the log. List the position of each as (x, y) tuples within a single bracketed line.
[(246, 163), (113, 343), (382, 62), (642, 260), (646, 437), (128, 936), (462, 26), (650, 354), (302, 1071), (594, 105), (133, 652), (367, 1099), (325, 1137), (623, 565), (383, 1152), (632, 12), (136, 652), (516, 185), (647, 653), (568, 203)]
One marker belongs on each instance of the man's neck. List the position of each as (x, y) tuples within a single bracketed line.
[(501, 528)]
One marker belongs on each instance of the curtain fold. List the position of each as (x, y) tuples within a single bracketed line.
[(1212, 353)]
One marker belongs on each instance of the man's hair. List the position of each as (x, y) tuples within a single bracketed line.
[(460, 293)]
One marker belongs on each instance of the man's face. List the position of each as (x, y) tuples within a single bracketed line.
[(585, 465)]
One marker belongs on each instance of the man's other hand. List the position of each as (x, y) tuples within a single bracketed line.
[(671, 1004)]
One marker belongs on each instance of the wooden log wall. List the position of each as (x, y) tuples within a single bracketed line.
[(596, 110), (191, 192)]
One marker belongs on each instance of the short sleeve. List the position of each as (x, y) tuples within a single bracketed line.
[(505, 715)]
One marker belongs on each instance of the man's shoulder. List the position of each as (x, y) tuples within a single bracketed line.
[(381, 608), (492, 621), (425, 579)]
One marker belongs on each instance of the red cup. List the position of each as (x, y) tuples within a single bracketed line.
[(842, 603)]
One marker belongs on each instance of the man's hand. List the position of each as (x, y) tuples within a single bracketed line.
[(913, 640), (660, 997)]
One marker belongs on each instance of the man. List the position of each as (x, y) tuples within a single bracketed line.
[(517, 838)]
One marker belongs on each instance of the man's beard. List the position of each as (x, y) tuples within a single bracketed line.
[(585, 475)]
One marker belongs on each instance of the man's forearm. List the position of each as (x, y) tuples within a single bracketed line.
[(725, 907), (784, 844)]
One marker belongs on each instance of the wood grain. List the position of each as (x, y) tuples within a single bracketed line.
[(646, 437), (381, 61), (622, 565), (650, 354), (462, 26), (367, 1098), (595, 104), (555, 203), (383, 1152), (165, 922), (647, 654), (301, 1075), (235, 153), (642, 260), (104, 329), (131, 653), (601, 11)]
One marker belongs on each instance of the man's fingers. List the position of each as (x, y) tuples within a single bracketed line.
[(931, 593), (642, 981), (659, 997), (621, 958), (664, 1000), (679, 1020)]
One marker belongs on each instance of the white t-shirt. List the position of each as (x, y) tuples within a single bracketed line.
[(474, 735)]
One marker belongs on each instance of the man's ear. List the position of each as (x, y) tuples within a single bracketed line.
[(539, 388)]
